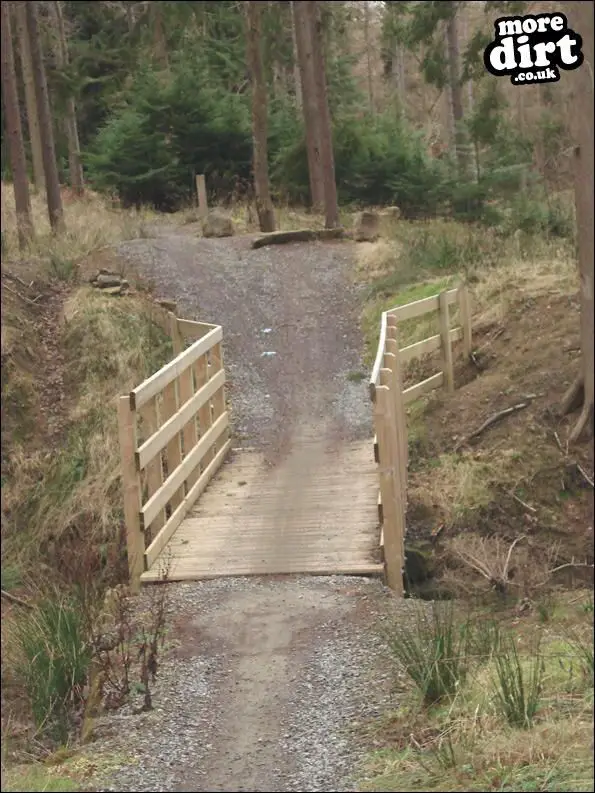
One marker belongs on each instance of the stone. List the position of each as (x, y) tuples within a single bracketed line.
[(217, 224), (168, 305), (366, 226), (104, 280), (113, 290), (392, 213)]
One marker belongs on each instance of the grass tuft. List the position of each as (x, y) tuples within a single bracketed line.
[(437, 651), (51, 641), (518, 686)]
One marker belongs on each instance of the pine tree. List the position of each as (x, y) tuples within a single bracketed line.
[(30, 100), (264, 206), (15, 134), (52, 184)]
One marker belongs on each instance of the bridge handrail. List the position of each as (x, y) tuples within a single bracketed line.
[(174, 435), (389, 400)]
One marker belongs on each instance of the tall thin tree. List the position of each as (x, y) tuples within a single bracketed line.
[(456, 91), (304, 41), (296, 63), (52, 183), (18, 162), (75, 168), (582, 391), (30, 101), (264, 205), (325, 130)]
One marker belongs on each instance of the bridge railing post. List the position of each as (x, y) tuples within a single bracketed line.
[(135, 541)]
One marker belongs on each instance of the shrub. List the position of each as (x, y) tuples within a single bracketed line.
[(56, 658)]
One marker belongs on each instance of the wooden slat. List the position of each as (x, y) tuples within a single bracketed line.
[(218, 401), (205, 414), (376, 458), (168, 409), (157, 382), (444, 318), (177, 477), (189, 430), (388, 487), (194, 330), (465, 315), (435, 381), (427, 345), (420, 307), (379, 354), (392, 359), (132, 496), (173, 425), (154, 468), (380, 516), (191, 574), (162, 538)]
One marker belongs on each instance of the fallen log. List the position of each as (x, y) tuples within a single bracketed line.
[(301, 235)]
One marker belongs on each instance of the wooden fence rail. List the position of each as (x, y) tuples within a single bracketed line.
[(174, 435), (389, 399)]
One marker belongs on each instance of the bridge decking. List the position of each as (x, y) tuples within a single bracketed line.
[(316, 512)]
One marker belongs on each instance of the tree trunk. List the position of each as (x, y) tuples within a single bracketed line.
[(456, 94), (50, 168), (18, 163), (304, 43), (30, 101), (264, 206), (398, 74), (472, 144), (368, 55), (159, 39), (296, 62), (75, 167), (582, 390), (331, 209)]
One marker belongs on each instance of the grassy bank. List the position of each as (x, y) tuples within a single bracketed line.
[(503, 521), (68, 352)]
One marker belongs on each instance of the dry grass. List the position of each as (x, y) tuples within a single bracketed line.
[(109, 347), (91, 223), (466, 744)]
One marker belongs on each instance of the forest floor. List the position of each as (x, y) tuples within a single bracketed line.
[(286, 683)]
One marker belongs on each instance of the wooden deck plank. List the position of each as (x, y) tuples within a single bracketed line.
[(315, 513)]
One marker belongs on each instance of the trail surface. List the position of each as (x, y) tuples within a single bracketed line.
[(268, 677)]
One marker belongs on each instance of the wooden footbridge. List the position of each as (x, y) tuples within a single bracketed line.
[(320, 511)]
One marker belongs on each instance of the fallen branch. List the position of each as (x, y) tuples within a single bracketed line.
[(584, 473), (523, 503), (22, 297), (15, 599), (565, 566), (16, 278), (493, 420), (303, 235)]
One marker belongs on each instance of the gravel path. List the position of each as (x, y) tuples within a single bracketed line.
[(296, 301), (269, 676), (270, 679)]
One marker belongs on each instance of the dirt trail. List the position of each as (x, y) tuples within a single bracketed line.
[(269, 675)]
